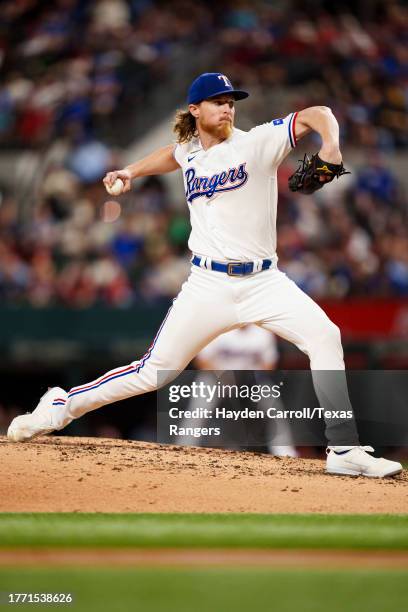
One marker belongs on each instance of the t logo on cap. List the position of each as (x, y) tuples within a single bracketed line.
[(225, 79), (211, 84)]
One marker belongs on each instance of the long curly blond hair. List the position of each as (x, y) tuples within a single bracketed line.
[(184, 126)]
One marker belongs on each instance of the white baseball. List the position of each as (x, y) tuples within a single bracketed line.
[(117, 187)]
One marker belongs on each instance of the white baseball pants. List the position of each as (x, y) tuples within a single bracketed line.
[(211, 303)]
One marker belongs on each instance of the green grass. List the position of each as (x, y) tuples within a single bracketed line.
[(215, 590), (205, 530), (201, 589)]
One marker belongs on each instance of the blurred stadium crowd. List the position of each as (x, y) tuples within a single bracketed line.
[(69, 253), (73, 69), (70, 65)]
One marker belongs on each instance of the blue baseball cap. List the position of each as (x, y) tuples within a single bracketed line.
[(211, 84)]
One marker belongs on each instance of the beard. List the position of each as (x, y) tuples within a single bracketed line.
[(221, 131), (226, 130)]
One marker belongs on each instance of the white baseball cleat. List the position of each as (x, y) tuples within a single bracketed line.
[(42, 420), (355, 461)]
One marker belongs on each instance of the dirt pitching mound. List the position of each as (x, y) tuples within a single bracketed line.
[(63, 474)]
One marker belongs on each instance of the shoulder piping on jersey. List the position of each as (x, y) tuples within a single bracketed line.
[(291, 130)]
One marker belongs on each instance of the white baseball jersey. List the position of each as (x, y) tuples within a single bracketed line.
[(246, 348), (232, 192)]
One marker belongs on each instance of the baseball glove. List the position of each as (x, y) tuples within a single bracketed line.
[(313, 173)]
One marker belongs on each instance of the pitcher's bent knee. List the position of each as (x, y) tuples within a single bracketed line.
[(332, 334), (326, 351)]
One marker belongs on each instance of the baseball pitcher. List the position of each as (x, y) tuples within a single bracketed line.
[(230, 182)]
